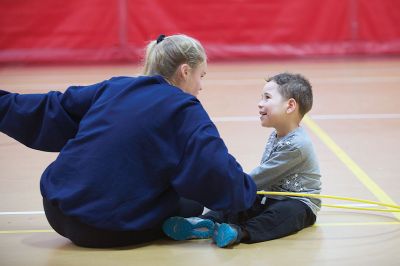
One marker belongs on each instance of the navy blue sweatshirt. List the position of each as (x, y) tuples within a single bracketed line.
[(128, 149)]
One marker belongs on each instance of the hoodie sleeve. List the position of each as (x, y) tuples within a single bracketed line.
[(211, 176), (45, 121)]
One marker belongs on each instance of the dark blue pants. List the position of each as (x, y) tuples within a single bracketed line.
[(272, 220), (88, 236)]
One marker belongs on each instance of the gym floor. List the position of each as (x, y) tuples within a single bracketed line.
[(355, 128)]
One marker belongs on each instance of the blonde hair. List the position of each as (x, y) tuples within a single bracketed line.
[(164, 58)]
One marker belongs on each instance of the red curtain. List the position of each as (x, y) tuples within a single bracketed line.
[(118, 30)]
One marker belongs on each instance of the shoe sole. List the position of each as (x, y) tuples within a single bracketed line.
[(178, 228), (226, 236)]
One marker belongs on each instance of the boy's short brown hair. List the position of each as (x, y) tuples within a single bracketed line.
[(297, 87)]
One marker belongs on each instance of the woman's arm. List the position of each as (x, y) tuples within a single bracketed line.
[(211, 176), (45, 121)]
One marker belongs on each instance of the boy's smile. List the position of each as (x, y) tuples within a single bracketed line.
[(271, 106)]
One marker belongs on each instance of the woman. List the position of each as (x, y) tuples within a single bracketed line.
[(131, 149)]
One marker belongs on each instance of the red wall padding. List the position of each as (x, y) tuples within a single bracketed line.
[(118, 30)]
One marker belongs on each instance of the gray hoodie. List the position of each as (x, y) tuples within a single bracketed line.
[(289, 164)]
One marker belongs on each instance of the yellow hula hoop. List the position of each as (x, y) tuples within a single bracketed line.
[(394, 208)]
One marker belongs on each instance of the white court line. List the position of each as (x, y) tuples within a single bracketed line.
[(22, 213), (315, 117), (355, 116), (350, 80), (235, 118)]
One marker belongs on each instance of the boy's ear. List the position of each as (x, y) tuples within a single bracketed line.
[(291, 106)]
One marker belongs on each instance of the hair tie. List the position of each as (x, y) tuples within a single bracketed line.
[(160, 38)]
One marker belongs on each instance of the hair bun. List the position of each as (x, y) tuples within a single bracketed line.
[(160, 38)]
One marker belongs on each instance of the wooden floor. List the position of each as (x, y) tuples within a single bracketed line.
[(355, 126)]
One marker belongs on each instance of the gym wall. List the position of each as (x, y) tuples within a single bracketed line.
[(118, 30)]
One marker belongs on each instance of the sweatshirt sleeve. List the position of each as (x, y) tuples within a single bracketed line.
[(44, 121), (211, 176), (276, 166)]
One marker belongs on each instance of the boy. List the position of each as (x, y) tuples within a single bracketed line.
[(288, 164)]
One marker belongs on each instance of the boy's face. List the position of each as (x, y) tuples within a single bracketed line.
[(272, 106)]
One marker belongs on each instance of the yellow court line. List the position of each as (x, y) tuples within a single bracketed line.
[(392, 208), (354, 168)]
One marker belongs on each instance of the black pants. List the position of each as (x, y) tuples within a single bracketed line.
[(272, 220), (88, 236)]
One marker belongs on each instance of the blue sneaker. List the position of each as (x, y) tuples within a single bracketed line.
[(180, 228), (226, 235)]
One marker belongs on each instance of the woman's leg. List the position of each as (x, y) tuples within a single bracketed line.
[(236, 217), (215, 216), (189, 208), (186, 224), (87, 236)]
